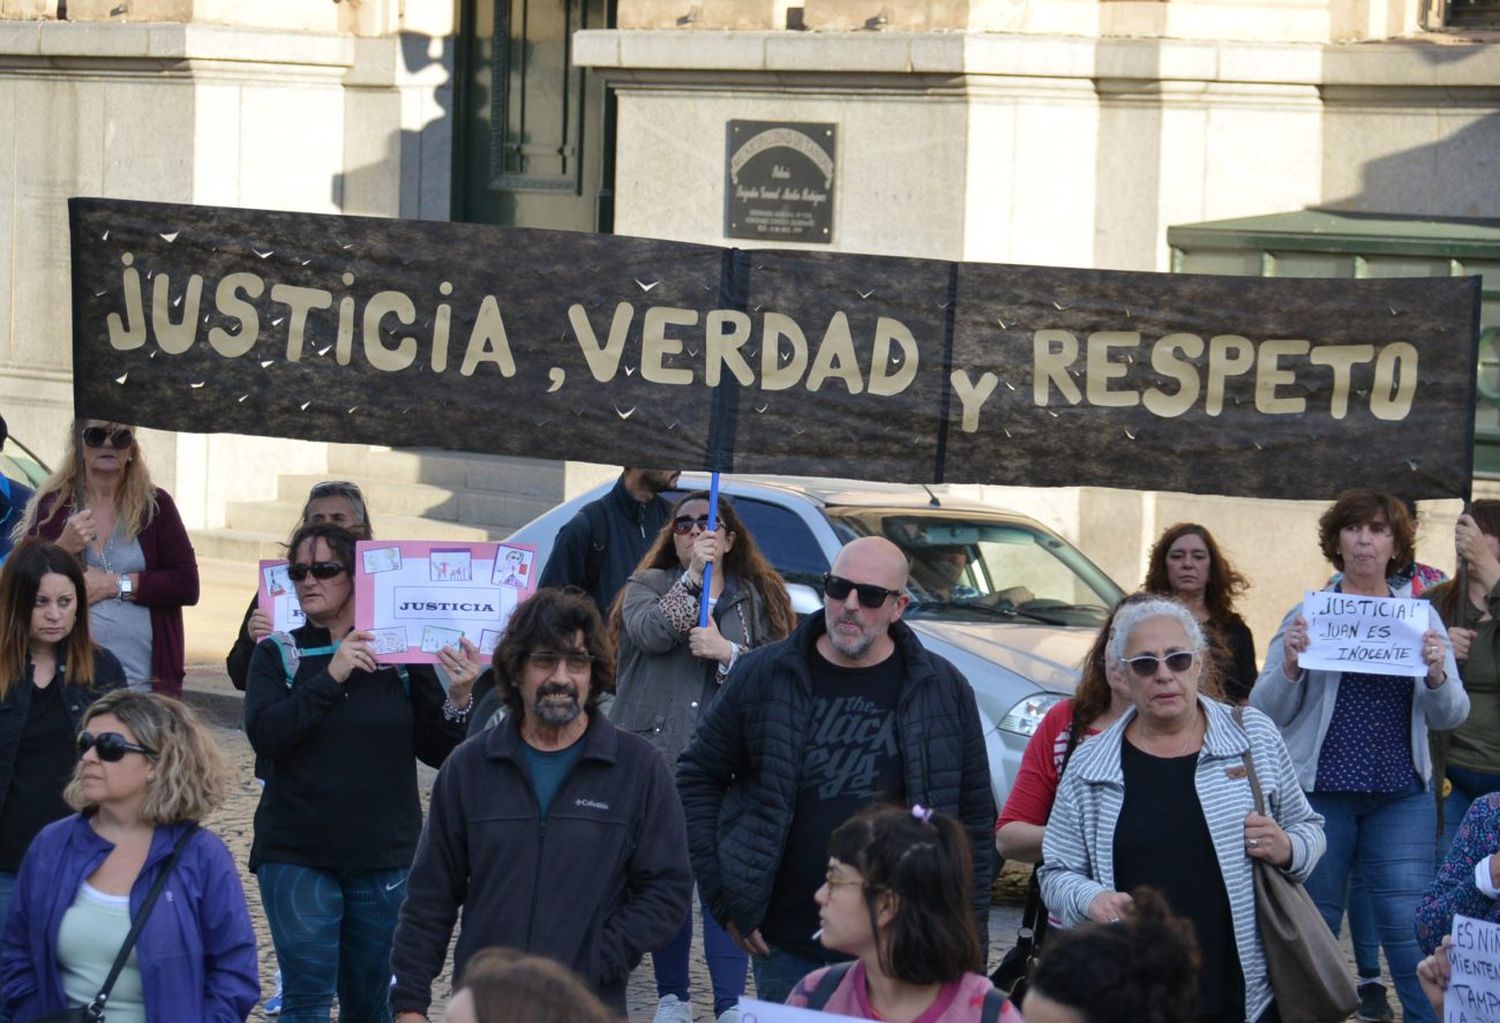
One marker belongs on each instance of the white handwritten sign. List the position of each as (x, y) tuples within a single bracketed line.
[(1474, 988), (1374, 635), (755, 1011), (278, 598)]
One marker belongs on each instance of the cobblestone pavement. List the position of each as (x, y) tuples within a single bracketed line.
[(234, 823)]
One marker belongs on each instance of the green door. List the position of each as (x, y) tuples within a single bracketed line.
[(533, 144)]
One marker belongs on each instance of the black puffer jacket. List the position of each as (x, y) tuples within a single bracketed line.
[(738, 776)]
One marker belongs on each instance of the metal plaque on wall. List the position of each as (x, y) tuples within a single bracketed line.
[(779, 181)]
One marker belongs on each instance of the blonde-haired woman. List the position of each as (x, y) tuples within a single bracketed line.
[(139, 566), (148, 770)]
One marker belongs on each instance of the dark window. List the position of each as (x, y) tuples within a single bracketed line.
[(784, 539), (1473, 12)]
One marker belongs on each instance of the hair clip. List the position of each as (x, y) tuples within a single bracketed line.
[(921, 813)]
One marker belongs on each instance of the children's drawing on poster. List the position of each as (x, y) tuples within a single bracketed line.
[(512, 567), (419, 596), (278, 597), (450, 565)]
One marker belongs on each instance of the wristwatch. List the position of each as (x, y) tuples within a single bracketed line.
[(126, 588)]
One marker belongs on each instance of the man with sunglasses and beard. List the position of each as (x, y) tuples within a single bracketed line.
[(556, 833), (850, 709)]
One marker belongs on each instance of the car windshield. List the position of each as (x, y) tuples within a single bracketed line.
[(966, 565)]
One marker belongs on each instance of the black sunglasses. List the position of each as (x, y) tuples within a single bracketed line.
[(111, 746), (319, 570), (119, 438), (1145, 665), (871, 596), (682, 525)]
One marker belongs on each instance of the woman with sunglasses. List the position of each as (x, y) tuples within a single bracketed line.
[(338, 823), (336, 502), (1161, 799), (148, 770), (896, 898), (1360, 740), (50, 670), (670, 670), (100, 506)]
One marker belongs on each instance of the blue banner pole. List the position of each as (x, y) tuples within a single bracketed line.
[(708, 570)]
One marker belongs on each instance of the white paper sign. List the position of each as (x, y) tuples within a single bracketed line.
[(278, 597), (1474, 989), (1373, 635), (754, 1011)]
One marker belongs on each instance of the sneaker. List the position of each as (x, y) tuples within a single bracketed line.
[(273, 1004), (672, 1009), (1374, 1007), (729, 1015)]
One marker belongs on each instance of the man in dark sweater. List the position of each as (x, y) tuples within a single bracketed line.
[(556, 833), (599, 547), (848, 710)]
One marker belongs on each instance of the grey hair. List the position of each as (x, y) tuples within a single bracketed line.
[(1133, 615)]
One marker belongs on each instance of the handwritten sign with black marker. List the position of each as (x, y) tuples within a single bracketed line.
[(1373, 635), (1473, 994)]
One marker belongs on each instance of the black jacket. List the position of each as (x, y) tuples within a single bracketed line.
[(601, 564), (601, 882), (738, 776), (339, 761), (108, 674), (237, 664)]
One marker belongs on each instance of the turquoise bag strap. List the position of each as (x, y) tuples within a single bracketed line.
[(291, 659)]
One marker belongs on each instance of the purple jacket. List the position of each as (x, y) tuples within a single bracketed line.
[(196, 952)]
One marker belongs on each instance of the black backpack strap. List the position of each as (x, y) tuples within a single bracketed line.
[(994, 1004), (818, 996), (598, 542)]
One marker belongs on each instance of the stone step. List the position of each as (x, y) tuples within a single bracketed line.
[(501, 510), (275, 519), (538, 477), (236, 544)]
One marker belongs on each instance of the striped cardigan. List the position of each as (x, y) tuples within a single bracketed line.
[(1078, 850)]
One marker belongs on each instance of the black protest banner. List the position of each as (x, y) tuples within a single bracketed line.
[(640, 352)]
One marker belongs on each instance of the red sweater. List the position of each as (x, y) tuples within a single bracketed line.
[(168, 584)]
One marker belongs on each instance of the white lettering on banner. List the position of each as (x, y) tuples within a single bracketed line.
[(445, 602), (1374, 635), (1473, 994)]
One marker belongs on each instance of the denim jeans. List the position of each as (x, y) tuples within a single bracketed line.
[(332, 931), (1364, 933), (1467, 786), (777, 973), (7, 889), (726, 963), (1390, 836)]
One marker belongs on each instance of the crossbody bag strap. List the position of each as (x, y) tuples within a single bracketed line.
[(1260, 803), (831, 979), (95, 1009)]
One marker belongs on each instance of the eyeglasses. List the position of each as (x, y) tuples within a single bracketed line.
[(871, 596), (319, 570), (119, 438), (336, 488), (548, 660), (682, 525), (835, 882), (111, 746), (1146, 665)]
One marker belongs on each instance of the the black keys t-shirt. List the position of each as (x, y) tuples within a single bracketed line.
[(851, 758), (44, 763)]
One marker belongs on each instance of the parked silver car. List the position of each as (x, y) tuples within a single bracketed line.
[(1010, 603)]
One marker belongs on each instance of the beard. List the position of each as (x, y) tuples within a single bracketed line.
[(856, 647), (554, 712)]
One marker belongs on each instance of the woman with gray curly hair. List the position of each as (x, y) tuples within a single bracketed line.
[(1162, 799), (147, 771)]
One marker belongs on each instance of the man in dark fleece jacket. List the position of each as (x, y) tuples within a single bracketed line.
[(848, 710), (556, 833)]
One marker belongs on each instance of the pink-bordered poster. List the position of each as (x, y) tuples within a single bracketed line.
[(418, 596), (278, 597)]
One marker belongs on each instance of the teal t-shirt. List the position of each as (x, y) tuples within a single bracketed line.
[(548, 769)]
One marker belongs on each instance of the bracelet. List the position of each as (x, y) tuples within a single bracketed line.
[(695, 589), (453, 712)]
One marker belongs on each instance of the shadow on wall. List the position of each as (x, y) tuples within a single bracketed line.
[(1449, 127), (406, 172)]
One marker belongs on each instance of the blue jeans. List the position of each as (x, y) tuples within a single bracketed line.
[(778, 973), (7, 889), (1390, 836), (1467, 786), (332, 931), (726, 963), (1364, 933)]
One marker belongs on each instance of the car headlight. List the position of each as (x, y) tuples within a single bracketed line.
[(1025, 716)]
